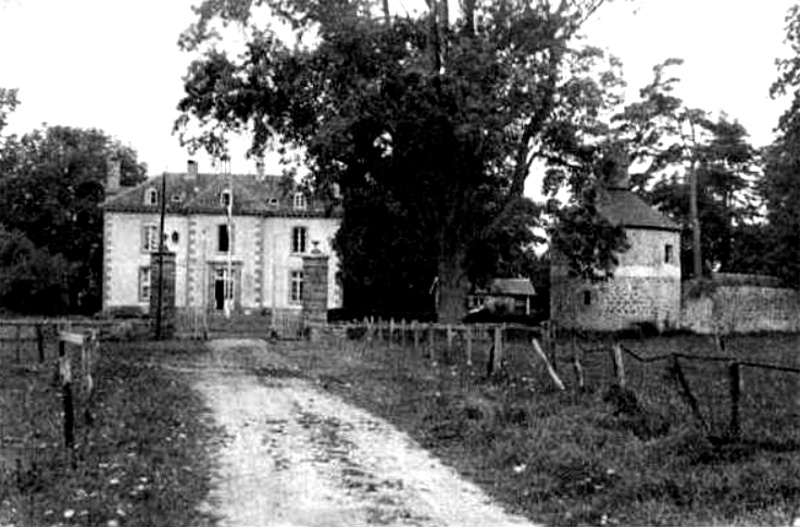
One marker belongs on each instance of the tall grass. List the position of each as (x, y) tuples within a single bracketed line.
[(595, 457)]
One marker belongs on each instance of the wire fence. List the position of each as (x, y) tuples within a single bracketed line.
[(749, 392)]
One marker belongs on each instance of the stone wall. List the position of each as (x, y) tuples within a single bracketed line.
[(742, 309)]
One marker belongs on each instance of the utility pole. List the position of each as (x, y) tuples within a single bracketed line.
[(697, 258), (226, 166), (160, 297)]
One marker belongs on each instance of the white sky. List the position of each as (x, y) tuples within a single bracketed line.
[(115, 65)]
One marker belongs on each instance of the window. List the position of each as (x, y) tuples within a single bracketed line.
[(296, 287), (144, 284), (225, 198), (151, 197), (668, 253), (149, 239), (299, 237), (300, 201), (587, 298), (223, 238)]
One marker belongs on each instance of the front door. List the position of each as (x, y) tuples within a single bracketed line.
[(223, 289)]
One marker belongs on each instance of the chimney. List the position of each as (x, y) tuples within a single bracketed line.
[(191, 169), (260, 169), (114, 176)]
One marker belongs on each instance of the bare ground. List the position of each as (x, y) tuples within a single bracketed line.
[(298, 456)]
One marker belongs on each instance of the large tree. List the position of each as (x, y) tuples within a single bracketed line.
[(429, 126), (781, 184), (725, 168), (51, 185)]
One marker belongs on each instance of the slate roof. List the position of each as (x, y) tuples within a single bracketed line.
[(252, 195), (622, 207)]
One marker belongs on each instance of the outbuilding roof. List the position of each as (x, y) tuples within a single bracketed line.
[(511, 287), (620, 206)]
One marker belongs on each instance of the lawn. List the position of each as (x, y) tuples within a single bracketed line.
[(145, 460), (594, 457)]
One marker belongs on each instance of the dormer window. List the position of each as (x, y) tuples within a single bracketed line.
[(299, 201), (273, 202), (225, 198), (177, 198), (151, 197)]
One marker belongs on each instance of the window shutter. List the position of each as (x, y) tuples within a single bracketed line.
[(144, 244), (232, 238)]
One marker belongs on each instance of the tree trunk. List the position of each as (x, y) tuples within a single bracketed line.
[(452, 292)]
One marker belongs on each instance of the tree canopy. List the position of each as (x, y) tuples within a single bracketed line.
[(51, 185), (429, 125)]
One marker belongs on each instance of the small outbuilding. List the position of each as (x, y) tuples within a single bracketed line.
[(514, 294)]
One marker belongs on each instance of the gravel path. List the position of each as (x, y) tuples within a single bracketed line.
[(298, 456)]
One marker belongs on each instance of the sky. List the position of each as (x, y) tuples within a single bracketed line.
[(115, 64)]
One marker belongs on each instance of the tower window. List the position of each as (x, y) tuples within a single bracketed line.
[(587, 298), (151, 197), (668, 256)]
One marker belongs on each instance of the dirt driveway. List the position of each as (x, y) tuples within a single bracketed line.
[(298, 456)]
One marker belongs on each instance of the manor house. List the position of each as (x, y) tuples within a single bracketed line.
[(238, 241)]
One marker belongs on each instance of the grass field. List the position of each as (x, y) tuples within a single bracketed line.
[(590, 458), (146, 459)]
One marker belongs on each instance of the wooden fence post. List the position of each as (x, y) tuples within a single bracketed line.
[(449, 339), (619, 366), (415, 330), (578, 367), (432, 341), (40, 341), (550, 369), (687, 392), (734, 370), (65, 371), (468, 335), (19, 342), (498, 349), (403, 333)]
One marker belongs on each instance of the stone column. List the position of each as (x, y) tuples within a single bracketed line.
[(162, 270), (315, 292)]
